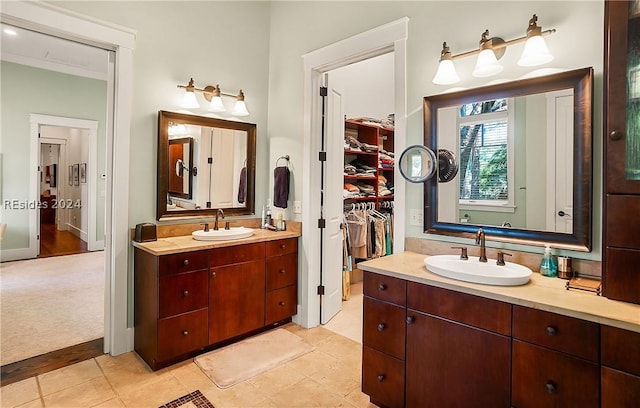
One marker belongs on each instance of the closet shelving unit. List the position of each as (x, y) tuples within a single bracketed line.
[(372, 134)]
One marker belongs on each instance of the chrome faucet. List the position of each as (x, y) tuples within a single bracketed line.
[(483, 248), (218, 213)]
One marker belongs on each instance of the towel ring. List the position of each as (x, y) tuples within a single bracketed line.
[(283, 157)]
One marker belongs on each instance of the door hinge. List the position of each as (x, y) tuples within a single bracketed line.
[(323, 91), (322, 156), (208, 204), (322, 223), (210, 160), (321, 290)]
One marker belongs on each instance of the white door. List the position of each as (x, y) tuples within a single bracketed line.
[(560, 200), (331, 301)]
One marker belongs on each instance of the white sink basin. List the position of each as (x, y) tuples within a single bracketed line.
[(222, 234), (472, 270)]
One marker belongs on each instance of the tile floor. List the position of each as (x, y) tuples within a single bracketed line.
[(327, 377)]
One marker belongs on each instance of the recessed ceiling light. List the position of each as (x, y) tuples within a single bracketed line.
[(10, 31)]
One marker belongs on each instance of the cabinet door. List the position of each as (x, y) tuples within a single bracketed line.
[(453, 365), (545, 378), (382, 378), (236, 300), (384, 327), (622, 96), (619, 389)]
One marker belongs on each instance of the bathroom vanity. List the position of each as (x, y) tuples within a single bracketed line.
[(192, 296), (431, 341)]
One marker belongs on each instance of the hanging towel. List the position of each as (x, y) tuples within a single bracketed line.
[(242, 185), (280, 187)]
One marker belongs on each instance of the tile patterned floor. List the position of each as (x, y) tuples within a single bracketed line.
[(327, 377)]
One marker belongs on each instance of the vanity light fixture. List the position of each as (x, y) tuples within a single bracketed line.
[(491, 49), (213, 95)]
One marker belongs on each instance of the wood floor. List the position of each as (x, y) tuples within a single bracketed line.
[(57, 243), (31, 367)]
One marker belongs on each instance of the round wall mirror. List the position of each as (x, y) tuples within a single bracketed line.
[(418, 163)]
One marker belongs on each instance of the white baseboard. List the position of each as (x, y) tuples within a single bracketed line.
[(96, 246), (77, 232), (16, 254)]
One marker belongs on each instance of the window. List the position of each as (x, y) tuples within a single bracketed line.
[(486, 155)]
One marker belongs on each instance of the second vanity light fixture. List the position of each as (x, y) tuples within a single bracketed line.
[(491, 49), (213, 95)]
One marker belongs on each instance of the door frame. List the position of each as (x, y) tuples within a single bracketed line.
[(390, 37), (49, 19), (93, 244)]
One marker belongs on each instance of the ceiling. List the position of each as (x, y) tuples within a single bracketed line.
[(48, 52)]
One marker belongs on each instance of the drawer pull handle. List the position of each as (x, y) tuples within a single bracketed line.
[(550, 387), (551, 331), (616, 135), (282, 271), (381, 377), (382, 326), (281, 303), (185, 333), (185, 262), (410, 319), (185, 293), (382, 286), (283, 246), (213, 274)]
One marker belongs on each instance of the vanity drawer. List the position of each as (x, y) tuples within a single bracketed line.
[(281, 304), (282, 271), (282, 246), (382, 378), (620, 349), (182, 334), (182, 293), (237, 254), (183, 262), (567, 334), (546, 378), (386, 288), (476, 311), (384, 327)]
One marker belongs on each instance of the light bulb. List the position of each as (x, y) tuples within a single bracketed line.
[(446, 73), (535, 52), (487, 64)]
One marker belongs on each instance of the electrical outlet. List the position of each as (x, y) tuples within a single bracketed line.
[(415, 217), (297, 207)]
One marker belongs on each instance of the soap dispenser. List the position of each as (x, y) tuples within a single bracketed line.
[(548, 266)]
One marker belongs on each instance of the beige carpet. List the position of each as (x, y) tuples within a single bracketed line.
[(243, 360), (50, 303)]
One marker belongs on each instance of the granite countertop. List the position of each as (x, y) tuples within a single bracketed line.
[(186, 243), (540, 292)]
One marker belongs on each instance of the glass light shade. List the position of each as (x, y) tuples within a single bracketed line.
[(487, 64), (446, 73), (216, 104), (189, 100), (535, 52), (240, 109)]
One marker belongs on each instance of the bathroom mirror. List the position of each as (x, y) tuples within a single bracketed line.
[(524, 152), (417, 164), (204, 164)]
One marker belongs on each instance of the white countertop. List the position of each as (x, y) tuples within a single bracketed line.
[(540, 292), (186, 243)]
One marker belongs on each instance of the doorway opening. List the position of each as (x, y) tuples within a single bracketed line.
[(389, 38)]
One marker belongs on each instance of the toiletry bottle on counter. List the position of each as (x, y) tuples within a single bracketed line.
[(268, 221), (548, 266)]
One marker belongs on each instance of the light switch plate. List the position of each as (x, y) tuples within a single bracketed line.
[(297, 207), (415, 217)]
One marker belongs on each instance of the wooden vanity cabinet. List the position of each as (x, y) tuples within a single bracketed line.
[(620, 370), (458, 349), (170, 310), (555, 360), (383, 339), (190, 302), (236, 291)]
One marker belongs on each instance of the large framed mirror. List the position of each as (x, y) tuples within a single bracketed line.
[(204, 164), (524, 151)]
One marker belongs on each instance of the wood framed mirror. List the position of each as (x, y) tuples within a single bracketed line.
[(503, 186), (204, 164)]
